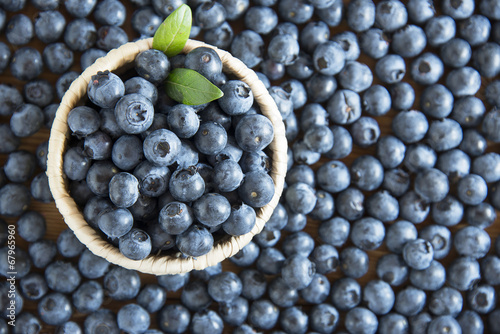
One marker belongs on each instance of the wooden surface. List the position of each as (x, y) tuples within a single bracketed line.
[(55, 223)]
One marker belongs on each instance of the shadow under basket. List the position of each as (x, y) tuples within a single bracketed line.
[(158, 264)]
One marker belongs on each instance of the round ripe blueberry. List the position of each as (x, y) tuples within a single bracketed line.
[(349, 43), (419, 157), (482, 215), (88, 297), (160, 240), (475, 30), (26, 120), (344, 107), (57, 57), (319, 138), (297, 92), (490, 8), (398, 234), (186, 185), (14, 199), (49, 26), (212, 209), (227, 175), (20, 166), (432, 185), (98, 146), (254, 284), (133, 318), (349, 203), (26, 63), (298, 271), (302, 68), (472, 189), (361, 320), (463, 81), (482, 299), (346, 294), (325, 206), (121, 284), (144, 65), (367, 173), (94, 207), (68, 244), (390, 69), (263, 314), (80, 34), (105, 89), (355, 76), (439, 30), (490, 123), (376, 101), (390, 151), (254, 132), (235, 312), (409, 41), (103, 318), (62, 276), (40, 188), (391, 15), (383, 206), (141, 86), (402, 95), (360, 15), (175, 218), (224, 287), (236, 9), (490, 268), (458, 10), (83, 121), (300, 243), (303, 155), (153, 180), (209, 15), (205, 61), (312, 35), (76, 164), (343, 143), (237, 99), (430, 279), (145, 21), (294, 320), (365, 131), (249, 47), (334, 231), (410, 301), (456, 53), (33, 286), (486, 59), (378, 296), (127, 153), (173, 282), (134, 113), (329, 58), (162, 147), (174, 318), (283, 100), (295, 11), (471, 322), (195, 241), (247, 255), (487, 166), (92, 266), (418, 254), (301, 197), (426, 69), (447, 212), (437, 101), (64, 82), (413, 207), (39, 92), (55, 308), (123, 189), (326, 259), (354, 262), (320, 87), (367, 233), (283, 49), (135, 245), (392, 269), (492, 93), (420, 11), (31, 226), (324, 318), (211, 138), (446, 301), (80, 8), (115, 222), (374, 42), (12, 99), (472, 241), (19, 30), (410, 126), (261, 19), (110, 13), (241, 220)]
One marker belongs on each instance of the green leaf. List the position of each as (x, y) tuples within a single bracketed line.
[(190, 87), (173, 33)]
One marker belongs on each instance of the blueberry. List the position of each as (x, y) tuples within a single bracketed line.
[(19, 30), (482, 299), (301, 198), (235, 9), (246, 256), (430, 279), (80, 34), (490, 267), (257, 189), (418, 254), (355, 76), (472, 241), (195, 241), (392, 269), (62, 276), (57, 57), (92, 266), (361, 320), (102, 318), (463, 81), (15, 199), (439, 30), (135, 245), (402, 95), (110, 13), (342, 143), (489, 125), (295, 11), (360, 15), (283, 100), (323, 318), (439, 237), (344, 107), (420, 11), (470, 322), (390, 68), (312, 35), (263, 314), (446, 301), (121, 284), (33, 286), (156, 74), (238, 98), (64, 82), (293, 319), (374, 42), (410, 126), (486, 59), (302, 68), (463, 273), (261, 19), (409, 41), (144, 20), (165, 7), (161, 147), (209, 15), (346, 294), (350, 203), (390, 15), (297, 92), (55, 309), (49, 26), (334, 231), (354, 262), (20, 166), (12, 100), (456, 52), (248, 46), (410, 301), (68, 244), (88, 297), (427, 69), (447, 212), (332, 14), (42, 252), (458, 10), (26, 63), (83, 121), (320, 87), (367, 233), (471, 189), (490, 8), (378, 297), (241, 220), (234, 313)]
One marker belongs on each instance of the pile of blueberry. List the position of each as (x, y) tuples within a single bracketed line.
[(162, 174), (389, 219)]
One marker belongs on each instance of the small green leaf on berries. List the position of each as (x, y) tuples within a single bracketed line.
[(173, 33), (189, 87)]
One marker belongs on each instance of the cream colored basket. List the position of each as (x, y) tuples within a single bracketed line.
[(164, 264)]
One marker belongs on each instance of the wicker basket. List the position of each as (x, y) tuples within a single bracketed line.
[(164, 264)]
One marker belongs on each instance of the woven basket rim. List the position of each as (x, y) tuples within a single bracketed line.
[(164, 264)]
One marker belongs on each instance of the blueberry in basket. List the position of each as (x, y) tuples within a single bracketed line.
[(155, 159)]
